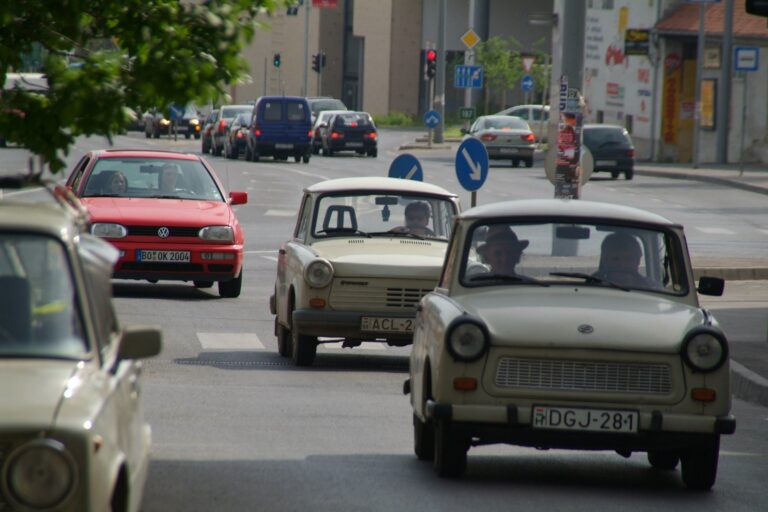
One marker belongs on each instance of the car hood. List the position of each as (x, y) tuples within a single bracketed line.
[(38, 388), (169, 212), (557, 317), (384, 257)]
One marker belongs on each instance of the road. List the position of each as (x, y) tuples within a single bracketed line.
[(236, 428)]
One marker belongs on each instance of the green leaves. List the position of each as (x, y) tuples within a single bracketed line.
[(105, 55)]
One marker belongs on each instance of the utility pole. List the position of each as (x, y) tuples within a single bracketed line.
[(724, 89), (306, 47), (699, 72), (440, 79)]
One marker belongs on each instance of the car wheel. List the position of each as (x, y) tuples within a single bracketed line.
[(699, 464), (156, 133), (197, 136), (231, 288), (529, 162), (303, 348), (374, 153), (614, 174), (297, 158), (248, 155), (515, 163), (305, 158), (423, 439), (628, 175), (283, 339), (204, 149), (202, 284), (315, 150), (665, 460), (327, 152), (450, 451), (187, 136), (148, 135)]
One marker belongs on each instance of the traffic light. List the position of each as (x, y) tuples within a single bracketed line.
[(316, 62), (431, 63), (276, 60)]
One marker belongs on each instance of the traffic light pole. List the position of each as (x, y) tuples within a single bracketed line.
[(439, 100)]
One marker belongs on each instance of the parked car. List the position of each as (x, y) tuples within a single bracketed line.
[(280, 127), (575, 325), (220, 130), (206, 132), (612, 149), (156, 123), (235, 143), (505, 138), (170, 217), (318, 104), (537, 117), (318, 129), (351, 270), (73, 430), (350, 131)]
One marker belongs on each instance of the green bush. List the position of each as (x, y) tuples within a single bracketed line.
[(394, 119)]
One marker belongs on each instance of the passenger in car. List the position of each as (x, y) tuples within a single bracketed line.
[(620, 255), (117, 184), (169, 175), (502, 250), (416, 220)]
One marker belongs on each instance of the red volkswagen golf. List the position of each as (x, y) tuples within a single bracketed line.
[(167, 213)]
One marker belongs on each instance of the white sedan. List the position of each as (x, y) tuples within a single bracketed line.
[(505, 138), (363, 252), (570, 324)]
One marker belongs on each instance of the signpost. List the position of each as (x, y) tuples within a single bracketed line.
[(407, 167), (472, 166), (466, 113), (432, 119), (747, 59), (177, 114)]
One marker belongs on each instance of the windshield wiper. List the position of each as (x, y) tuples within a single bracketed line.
[(343, 231), (508, 278), (589, 279)]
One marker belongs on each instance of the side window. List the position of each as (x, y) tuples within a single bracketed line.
[(537, 114), (302, 226), (450, 262), (77, 176), (522, 114), (296, 111), (272, 111)]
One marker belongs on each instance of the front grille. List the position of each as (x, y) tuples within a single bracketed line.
[(152, 231), (375, 295), (602, 377)]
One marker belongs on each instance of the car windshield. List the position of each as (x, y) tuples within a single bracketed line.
[(39, 311), (505, 123), (591, 254), (383, 214), (151, 177), (229, 113)]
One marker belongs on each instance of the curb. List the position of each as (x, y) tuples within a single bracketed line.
[(733, 274), (698, 177), (748, 385)]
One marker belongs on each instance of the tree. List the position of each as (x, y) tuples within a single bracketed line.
[(502, 66), (102, 57)]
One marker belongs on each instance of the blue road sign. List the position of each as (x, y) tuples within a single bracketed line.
[(747, 58), (432, 119), (407, 167), (472, 164), (527, 83), (177, 112), (468, 77)]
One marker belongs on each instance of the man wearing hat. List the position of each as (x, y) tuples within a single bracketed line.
[(502, 250)]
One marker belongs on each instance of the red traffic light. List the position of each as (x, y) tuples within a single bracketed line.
[(431, 55)]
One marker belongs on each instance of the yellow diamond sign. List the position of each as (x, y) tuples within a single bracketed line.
[(470, 39)]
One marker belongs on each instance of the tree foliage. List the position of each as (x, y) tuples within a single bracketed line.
[(127, 54)]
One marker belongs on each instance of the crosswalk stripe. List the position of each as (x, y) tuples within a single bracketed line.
[(716, 231), (230, 341), (280, 213)]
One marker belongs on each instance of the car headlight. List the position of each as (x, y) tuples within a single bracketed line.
[(40, 474), (108, 230), (217, 234), (194, 121), (165, 122), (319, 273), (467, 340), (705, 350)]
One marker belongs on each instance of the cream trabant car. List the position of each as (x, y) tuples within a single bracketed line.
[(363, 253), (570, 324), (72, 428)]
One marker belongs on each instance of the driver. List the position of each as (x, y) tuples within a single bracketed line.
[(416, 219)]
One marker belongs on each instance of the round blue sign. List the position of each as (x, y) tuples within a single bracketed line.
[(407, 167), (471, 164), (432, 119), (527, 83)]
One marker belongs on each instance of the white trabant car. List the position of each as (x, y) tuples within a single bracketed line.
[(575, 325), (363, 253), (72, 428)]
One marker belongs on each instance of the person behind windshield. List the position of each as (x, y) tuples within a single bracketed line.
[(620, 255), (168, 176), (416, 220), (502, 250), (117, 184)]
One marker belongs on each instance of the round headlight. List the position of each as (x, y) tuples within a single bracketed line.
[(467, 341), (705, 351), (217, 234), (108, 230), (319, 274), (40, 474)]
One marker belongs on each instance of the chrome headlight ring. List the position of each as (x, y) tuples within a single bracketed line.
[(705, 349), (319, 273), (467, 339)]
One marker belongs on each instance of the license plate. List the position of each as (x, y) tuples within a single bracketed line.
[(163, 256), (606, 162), (354, 144), (386, 324), (283, 146), (511, 151), (587, 420)]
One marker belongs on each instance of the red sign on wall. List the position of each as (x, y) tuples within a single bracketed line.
[(323, 3)]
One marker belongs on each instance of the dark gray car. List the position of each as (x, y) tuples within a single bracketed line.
[(612, 149)]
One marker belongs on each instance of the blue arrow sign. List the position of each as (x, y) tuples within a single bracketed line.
[(177, 112), (407, 167), (472, 164), (468, 77), (432, 119), (527, 83)]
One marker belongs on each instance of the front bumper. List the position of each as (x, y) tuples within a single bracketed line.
[(346, 324)]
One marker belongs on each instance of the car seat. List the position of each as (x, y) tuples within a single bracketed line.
[(344, 216), (15, 309)]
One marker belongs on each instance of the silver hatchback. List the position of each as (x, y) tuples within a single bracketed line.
[(505, 138)]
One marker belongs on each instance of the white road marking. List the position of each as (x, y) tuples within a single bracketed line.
[(230, 341), (474, 167), (716, 231), (271, 258), (764, 231), (261, 252), (412, 172), (280, 213)]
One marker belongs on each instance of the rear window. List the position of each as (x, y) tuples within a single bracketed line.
[(272, 111), (233, 112), (296, 111), (329, 104), (601, 136), (352, 120), (506, 123)]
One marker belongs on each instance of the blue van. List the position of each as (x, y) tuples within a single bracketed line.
[(281, 126)]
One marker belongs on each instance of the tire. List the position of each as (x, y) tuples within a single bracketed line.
[(423, 439), (215, 149), (197, 136), (327, 152), (515, 162), (315, 150), (614, 174), (664, 460), (205, 149), (283, 339), (187, 136), (297, 158), (373, 153), (305, 158), (231, 288), (529, 162), (248, 155), (147, 135), (303, 348), (628, 175), (699, 464), (202, 284), (450, 452)]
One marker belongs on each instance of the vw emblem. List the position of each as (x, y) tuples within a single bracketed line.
[(163, 232), (585, 329)]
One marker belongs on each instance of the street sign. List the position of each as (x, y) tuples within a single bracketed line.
[(747, 58), (468, 77), (563, 93), (527, 83), (432, 119), (470, 39), (528, 61), (407, 167), (471, 164), (466, 113), (177, 112)]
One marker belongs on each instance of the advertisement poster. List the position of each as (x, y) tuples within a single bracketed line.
[(568, 171)]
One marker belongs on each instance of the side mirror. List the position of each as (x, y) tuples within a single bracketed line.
[(238, 198), (140, 342), (711, 286), (464, 131)]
